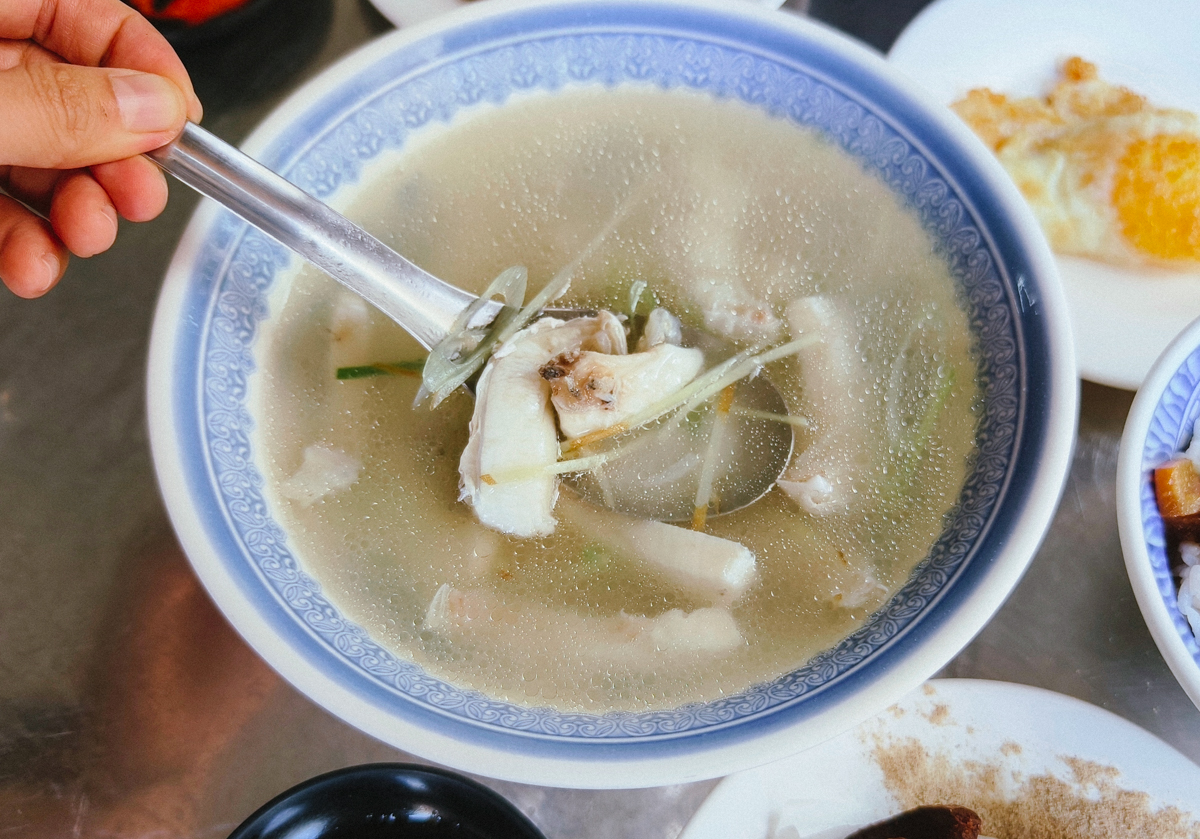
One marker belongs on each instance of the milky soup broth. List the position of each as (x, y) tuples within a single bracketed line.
[(706, 193)]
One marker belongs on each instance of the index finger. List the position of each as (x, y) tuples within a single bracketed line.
[(97, 33)]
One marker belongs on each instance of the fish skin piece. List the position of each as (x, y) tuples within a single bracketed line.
[(592, 391)]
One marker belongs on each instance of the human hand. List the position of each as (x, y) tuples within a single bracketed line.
[(86, 86)]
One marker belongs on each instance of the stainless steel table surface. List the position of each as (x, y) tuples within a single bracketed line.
[(128, 708)]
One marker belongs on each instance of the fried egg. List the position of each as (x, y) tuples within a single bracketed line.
[(1108, 175)]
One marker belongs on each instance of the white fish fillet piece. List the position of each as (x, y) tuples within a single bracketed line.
[(735, 313), (822, 478), (350, 342), (662, 327), (350, 330), (593, 391), (857, 588), (699, 564), (325, 470), (717, 283), (634, 641), (513, 425)]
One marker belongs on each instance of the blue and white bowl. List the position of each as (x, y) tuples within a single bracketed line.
[(325, 137), (1159, 426)]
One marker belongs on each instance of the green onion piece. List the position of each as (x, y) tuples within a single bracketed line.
[(462, 353), (562, 467), (394, 368), (708, 469), (635, 296), (550, 292), (769, 416), (916, 446)]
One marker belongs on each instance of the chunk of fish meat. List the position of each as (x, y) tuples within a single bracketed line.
[(662, 327), (732, 311), (513, 425), (710, 631), (857, 587), (350, 341), (350, 330), (699, 564), (640, 642), (325, 470), (718, 282), (822, 479), (592, 391)]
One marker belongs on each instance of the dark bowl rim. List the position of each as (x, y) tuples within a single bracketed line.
[(348, 775)]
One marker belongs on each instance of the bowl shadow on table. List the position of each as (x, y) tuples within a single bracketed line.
[(183, 730), (169, 687), (184, 714)]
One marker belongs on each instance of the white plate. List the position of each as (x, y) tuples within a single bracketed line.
[(838, 786), (410, 12), (1122, 319)]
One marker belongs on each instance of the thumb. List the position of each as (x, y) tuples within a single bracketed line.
[(63, 116)]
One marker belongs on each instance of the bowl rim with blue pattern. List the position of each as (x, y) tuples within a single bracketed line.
[(1159, 426), (214, 303)]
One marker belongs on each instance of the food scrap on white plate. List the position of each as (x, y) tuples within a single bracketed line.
[(1027, 762)]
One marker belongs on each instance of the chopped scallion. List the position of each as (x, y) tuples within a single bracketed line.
[(394, 368)]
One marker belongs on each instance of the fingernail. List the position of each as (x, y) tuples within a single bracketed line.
[(50, 276), (110, 215), (148, 103)]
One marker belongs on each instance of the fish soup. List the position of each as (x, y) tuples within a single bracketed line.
[(736, 223)]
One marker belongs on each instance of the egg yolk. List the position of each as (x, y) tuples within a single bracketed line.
[(1157, 196)]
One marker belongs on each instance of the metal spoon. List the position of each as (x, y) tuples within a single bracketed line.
[(427, 307)]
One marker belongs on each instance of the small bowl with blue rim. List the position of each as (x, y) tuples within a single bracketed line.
[(1159, 429)]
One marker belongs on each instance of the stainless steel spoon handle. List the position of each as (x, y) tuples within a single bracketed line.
[(417, 300)]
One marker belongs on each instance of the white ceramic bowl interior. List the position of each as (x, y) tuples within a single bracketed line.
[(326, 137)]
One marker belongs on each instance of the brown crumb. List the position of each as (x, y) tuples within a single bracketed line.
[(1090, 806), (940, 715)]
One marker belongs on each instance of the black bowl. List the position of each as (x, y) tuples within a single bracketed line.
[(388, 801)]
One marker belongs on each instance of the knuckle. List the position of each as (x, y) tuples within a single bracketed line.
[(70, 108)]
